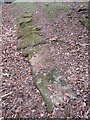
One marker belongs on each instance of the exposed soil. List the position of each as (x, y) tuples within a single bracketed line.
[(67, 47)]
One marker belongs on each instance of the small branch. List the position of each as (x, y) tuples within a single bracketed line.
[(3, 96)]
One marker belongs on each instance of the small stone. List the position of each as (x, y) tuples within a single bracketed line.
[(80, 37), (81, 90), (84, 104), (54, 38), (5, 74), (77, 69), (43, 104), (36, 12), (71, 33), (4, 52), (44, 74), (33, 110), (57, 104), (37, 91), (42, 114), (78, 93)]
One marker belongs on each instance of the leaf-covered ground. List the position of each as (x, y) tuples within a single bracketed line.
[(66, 46)]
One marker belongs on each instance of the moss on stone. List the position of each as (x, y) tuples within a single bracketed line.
[(30, 52), (23, 25), (25, 52), (22, 32), (24, 20), (27, 15), (31, 40), (41, 82), (28, 33), (36, 28)]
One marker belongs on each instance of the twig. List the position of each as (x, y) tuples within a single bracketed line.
[(3, 96)]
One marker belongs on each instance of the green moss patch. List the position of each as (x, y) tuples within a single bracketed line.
[(27, 32), (27, 15), (31, 40), (30, 51), (23, 22)]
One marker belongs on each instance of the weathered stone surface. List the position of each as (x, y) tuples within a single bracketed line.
[(53, 87), (24, 20), (41, 82), (41, 60)]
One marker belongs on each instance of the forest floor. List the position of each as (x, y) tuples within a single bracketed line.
[(67, 47)]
